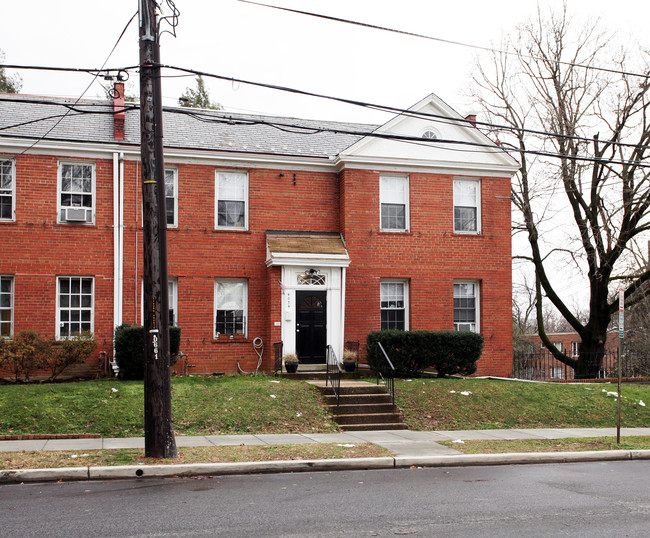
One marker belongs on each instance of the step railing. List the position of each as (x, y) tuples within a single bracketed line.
[(386, 371), (333, 376)]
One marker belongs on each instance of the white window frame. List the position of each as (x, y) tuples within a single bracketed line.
[(384, 198), (9, 308), (225, 173), (60, 207), (172, 297), (575, 348), (10, 191), (243, 281), (172, 291), (477, 205), (477, 307), (558, 345), (70, 308), (405, 308), (174, 172)]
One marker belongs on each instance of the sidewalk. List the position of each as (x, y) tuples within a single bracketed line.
[(403, 443), (411, 449)]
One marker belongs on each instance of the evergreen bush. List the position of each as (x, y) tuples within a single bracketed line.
[(129, 349), (410, 352)]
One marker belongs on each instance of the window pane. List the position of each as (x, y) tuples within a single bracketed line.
[(393, 190), (230, 214), (232, 186), (393, 217), (230, 295), (465, 219)]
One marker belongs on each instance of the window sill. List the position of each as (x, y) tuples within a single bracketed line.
[(234, 230), (468, 234), (394, 232), (237, 339)]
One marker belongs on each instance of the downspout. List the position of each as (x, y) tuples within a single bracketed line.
[(117, 244), (343, 275)]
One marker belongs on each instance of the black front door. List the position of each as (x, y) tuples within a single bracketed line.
[(311, 330)]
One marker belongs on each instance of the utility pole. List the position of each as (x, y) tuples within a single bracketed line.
[(159, 441)]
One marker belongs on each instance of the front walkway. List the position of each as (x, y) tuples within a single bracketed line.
[(400, 442)]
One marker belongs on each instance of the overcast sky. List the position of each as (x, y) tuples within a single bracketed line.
[(236, 39)]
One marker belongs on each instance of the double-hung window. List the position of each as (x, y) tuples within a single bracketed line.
[(171, 196), (466, 306), (6, 306), (467, 206), (231, 304), (575, 348), (76, 192), (232, 200), (172, 291), (75, 304), (7, 190), (394, 202), (394, 305)]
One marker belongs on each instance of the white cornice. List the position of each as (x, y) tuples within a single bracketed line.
[(300, 259)]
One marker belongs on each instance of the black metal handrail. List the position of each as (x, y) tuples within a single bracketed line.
[(277, 357), (388, 369), (333, 376)]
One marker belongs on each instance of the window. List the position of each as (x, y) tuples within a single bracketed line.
[(393, 304), (172, 297), (7, 189), (467, 214), (231, 300), (394, 201), (232, 199), (466, 306), (76, 187), (172, 290), (556, 372), (558, 346), (6, 306), (74, 305), (171, 196), (575, 348)]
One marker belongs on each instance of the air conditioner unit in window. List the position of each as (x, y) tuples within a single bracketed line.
[(76, 214), (465, 327)]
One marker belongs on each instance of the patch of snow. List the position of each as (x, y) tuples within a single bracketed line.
[(346, 445), (458, 441)]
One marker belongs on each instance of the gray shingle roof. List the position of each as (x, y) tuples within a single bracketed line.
[(32, 117)]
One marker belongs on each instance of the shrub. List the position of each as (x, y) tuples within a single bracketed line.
[(129, 349), (411, 352), (69, 351)]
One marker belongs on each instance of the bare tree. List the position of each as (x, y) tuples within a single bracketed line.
[(581, 134)]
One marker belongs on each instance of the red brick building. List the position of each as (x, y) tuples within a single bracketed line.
[(311, 233)]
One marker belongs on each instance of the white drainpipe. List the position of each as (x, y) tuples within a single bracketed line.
[(118, 240)]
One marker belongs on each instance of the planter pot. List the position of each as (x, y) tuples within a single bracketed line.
[(291, 367), (349, 366)]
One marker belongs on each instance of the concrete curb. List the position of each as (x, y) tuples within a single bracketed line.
[(294, 466)]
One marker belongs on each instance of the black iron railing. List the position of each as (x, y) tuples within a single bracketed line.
[(333, 377), (277, 357), (385, 371), (541, 365)]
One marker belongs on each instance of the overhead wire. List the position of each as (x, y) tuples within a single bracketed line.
[(442, 40)]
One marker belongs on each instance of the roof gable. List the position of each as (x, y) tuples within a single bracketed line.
[(475, 152)]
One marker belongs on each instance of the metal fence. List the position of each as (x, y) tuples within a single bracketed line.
[(541, 365)]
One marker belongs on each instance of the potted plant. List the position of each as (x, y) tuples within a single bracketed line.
[(349, 360), (291, 363)]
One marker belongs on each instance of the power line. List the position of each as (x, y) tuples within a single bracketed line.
[(447, 41), (87, 87)]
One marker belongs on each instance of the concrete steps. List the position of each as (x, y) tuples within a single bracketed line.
[(362, 406)]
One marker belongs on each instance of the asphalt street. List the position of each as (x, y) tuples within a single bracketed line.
[(579, 499)]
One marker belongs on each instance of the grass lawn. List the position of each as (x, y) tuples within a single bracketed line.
[(237, 404), (214, 454), (550, 445), (464, 404), (200, 406)]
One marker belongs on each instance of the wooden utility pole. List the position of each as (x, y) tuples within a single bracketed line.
[(159, 441)]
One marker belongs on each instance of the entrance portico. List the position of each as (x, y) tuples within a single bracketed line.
[(313, 268)]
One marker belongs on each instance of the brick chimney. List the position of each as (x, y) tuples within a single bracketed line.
[(471, 118), (118, 111)]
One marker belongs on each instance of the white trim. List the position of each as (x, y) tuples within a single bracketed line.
[(406, 290), (59, 184), (407, 189), (174, 170), (172, 298), (69, 308), (245, 307), (12, 303), (301, 259), (13, 189), (477, 303), (477, 202), (245, 200)]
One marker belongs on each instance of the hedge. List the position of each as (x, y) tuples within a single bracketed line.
[(449, 352), (129, 349)]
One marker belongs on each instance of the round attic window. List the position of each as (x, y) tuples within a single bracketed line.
[(430, 134)]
